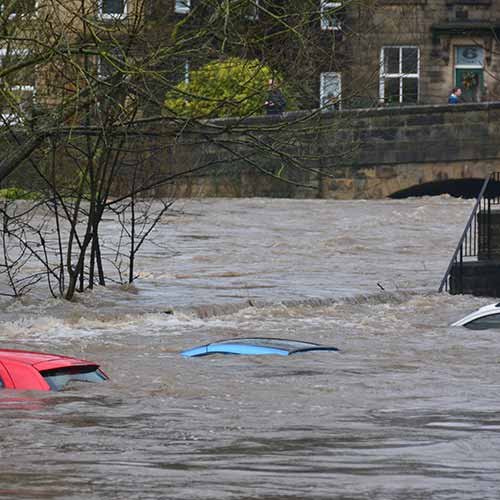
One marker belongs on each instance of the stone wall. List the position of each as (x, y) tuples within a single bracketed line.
[(349, 154)]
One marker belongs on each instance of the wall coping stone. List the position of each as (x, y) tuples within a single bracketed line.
[(299, 116)]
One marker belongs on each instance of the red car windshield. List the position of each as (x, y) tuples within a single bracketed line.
[(60, 377)]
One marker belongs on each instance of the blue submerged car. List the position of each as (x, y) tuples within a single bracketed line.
[(252, 346)]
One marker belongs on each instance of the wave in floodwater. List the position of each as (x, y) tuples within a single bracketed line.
[(39, 328)]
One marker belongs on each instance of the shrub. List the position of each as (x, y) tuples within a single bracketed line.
[(232, 87), (15, 193)]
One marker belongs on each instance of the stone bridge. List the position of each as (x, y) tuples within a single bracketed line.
[(365, 153)]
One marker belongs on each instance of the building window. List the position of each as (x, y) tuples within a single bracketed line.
[(399, 75), (19, 8), (105, 69), (182, 6), (17, 89), (252, 10), (112, 65), (330, 91), (329, 15), (112, 9)]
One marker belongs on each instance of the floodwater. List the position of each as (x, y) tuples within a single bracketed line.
[(409, 409)]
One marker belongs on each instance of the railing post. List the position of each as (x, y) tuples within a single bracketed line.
[(461, 270), (488, 222)]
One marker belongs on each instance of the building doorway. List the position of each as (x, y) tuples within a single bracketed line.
[(469, 72)]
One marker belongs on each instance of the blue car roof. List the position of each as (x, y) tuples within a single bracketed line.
[(256, 345)]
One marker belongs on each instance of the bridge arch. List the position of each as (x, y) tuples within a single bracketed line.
[(459, 179), (459, 188)]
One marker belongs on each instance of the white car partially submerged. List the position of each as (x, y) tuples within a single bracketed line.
[(482, 319)]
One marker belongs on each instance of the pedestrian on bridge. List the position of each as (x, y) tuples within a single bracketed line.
[(275, 103), (454, 97)]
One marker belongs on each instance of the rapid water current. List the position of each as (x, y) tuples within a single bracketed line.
[(408, 409)]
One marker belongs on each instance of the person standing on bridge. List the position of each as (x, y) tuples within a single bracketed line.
[(454, 97), (275, 103)]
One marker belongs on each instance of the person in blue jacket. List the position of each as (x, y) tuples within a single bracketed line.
[(454, 97)]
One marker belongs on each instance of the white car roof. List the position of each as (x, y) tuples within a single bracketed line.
[(482, 312)]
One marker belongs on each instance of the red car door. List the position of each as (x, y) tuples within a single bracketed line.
[(24, 377)]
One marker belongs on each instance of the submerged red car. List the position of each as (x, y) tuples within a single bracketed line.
[(25, 370)]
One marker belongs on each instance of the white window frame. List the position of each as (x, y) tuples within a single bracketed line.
[(253, 14), (400, 75), (322, 97), (182, 6), (100, 63), (325, 21), (12, 118), (114, 15)]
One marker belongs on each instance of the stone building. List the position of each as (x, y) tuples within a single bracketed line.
[(354, 54), (388, 52), (303, 40), (416, 51), (48, 54)]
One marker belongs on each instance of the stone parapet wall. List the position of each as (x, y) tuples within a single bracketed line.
[(356, 153)]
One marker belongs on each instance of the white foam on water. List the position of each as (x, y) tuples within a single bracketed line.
[(464, 425), (50, 328)]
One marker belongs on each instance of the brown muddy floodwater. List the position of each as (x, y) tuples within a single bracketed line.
[(409, 409)]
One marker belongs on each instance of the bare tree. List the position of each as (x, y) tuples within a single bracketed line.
[(95, 137)]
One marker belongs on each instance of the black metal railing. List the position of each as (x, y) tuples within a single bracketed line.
[(476, 237)]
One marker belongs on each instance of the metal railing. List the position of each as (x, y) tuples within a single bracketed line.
[(474, 241)]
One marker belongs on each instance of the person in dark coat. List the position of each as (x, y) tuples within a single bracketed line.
[(275, 103)]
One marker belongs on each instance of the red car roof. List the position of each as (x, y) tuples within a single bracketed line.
[(41, 361)]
